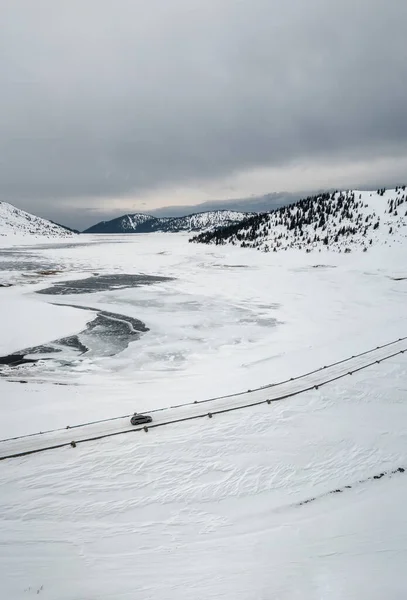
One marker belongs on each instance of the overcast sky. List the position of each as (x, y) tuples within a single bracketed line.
[(130, 105)]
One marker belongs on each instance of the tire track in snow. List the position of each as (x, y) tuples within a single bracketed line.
[(54, 439)]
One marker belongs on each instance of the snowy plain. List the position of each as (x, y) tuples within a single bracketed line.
[(207, 509)]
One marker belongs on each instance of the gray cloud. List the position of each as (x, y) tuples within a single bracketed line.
[(106, 99)]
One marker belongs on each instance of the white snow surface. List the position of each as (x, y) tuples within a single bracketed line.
[(211, 508), (16, 226)]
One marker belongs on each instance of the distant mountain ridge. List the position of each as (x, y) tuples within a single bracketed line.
[(17, 222), (248, 204), (142, 223)]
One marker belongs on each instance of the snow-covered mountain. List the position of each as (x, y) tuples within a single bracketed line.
[(339, 221), (204, 221), (141, 223), (17, 222), (135, 223)]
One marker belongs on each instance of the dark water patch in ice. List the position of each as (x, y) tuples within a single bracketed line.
[(261, 321), (323, 266), (225, 266), (107, 335), (271, 305), (15, 360), (77, 243), (40, 266), (101, 283), (309, 268)]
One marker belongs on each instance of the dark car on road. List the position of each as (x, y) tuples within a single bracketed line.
[(138, 419)]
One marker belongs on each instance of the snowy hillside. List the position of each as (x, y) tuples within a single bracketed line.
[(15, 223), (141, 223), (340, 221)]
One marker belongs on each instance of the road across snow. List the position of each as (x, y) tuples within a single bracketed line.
[(52, 440)]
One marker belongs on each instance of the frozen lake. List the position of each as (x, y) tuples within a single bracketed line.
[(153, 313)]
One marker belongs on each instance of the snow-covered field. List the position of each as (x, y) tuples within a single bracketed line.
[(208, 508)]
